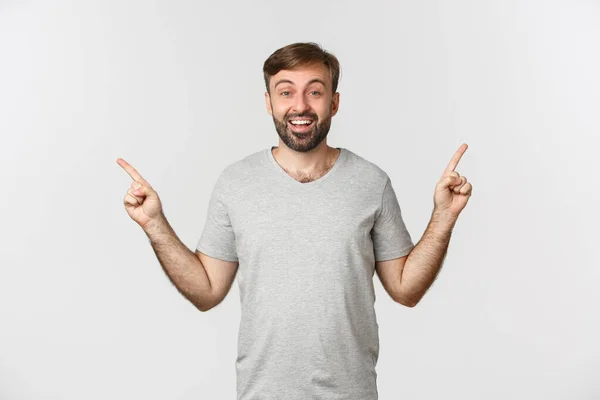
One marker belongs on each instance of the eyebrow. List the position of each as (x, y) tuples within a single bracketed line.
[(315, 80)]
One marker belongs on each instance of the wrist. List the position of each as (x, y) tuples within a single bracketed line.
[(157, 226), (443, 217)]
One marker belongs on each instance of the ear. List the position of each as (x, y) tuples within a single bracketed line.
[(335, 103), (268, 102)]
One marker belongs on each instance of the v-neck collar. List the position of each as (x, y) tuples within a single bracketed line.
[(280, 171)]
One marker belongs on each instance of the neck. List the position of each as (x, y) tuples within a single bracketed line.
[(320, 158)]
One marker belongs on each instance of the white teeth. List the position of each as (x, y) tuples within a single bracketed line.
[(300, 122)]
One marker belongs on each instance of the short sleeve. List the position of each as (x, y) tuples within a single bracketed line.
[(390, 237), (218, 238)]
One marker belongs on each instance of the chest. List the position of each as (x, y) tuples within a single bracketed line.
[(319, 222)]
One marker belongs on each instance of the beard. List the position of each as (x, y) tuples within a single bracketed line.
[(305, 141)]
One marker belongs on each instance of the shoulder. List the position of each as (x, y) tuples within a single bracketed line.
[(242, 171), (245, 166), (367, 171)]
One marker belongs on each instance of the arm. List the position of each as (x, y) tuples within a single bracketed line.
[(203, 280), (408, 278)]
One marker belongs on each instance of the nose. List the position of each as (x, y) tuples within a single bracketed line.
[(300, 104)]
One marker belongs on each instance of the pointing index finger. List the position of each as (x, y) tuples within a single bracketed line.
[(455, 159), (131, 171)]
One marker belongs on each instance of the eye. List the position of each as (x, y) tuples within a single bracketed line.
[(282, 93), (314, 91)]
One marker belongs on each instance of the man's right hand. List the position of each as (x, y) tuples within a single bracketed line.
[(141, 201)]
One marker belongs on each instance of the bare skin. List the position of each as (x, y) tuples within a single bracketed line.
[(309, 176), (201, 279), (303, 93), (296, 94), (407, 279)]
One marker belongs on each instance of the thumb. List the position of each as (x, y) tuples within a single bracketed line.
[(142, 190), (450, 180)]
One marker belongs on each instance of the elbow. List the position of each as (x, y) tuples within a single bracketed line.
[(407, 300), (409, 304), (203, 302), (203, 306)]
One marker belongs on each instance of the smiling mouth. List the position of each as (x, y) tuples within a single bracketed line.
[(301, 128)]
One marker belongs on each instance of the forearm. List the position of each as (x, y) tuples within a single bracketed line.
[(425, 260), (183, 267)]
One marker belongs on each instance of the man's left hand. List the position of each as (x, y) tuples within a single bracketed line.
[(452, 192)]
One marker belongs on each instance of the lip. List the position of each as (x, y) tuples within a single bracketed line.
[(301, 128)]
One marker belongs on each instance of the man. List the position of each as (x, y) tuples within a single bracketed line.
[(307, 225)]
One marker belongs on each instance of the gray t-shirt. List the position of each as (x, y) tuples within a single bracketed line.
[(306, 255)]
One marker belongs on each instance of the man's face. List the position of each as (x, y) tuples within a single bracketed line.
[(302, 94)]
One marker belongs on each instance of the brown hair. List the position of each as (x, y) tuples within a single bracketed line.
[(298, 55)]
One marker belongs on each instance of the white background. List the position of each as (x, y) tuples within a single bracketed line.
[(176, 89)]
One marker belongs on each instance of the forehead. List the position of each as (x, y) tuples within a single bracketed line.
[(302, 75)]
